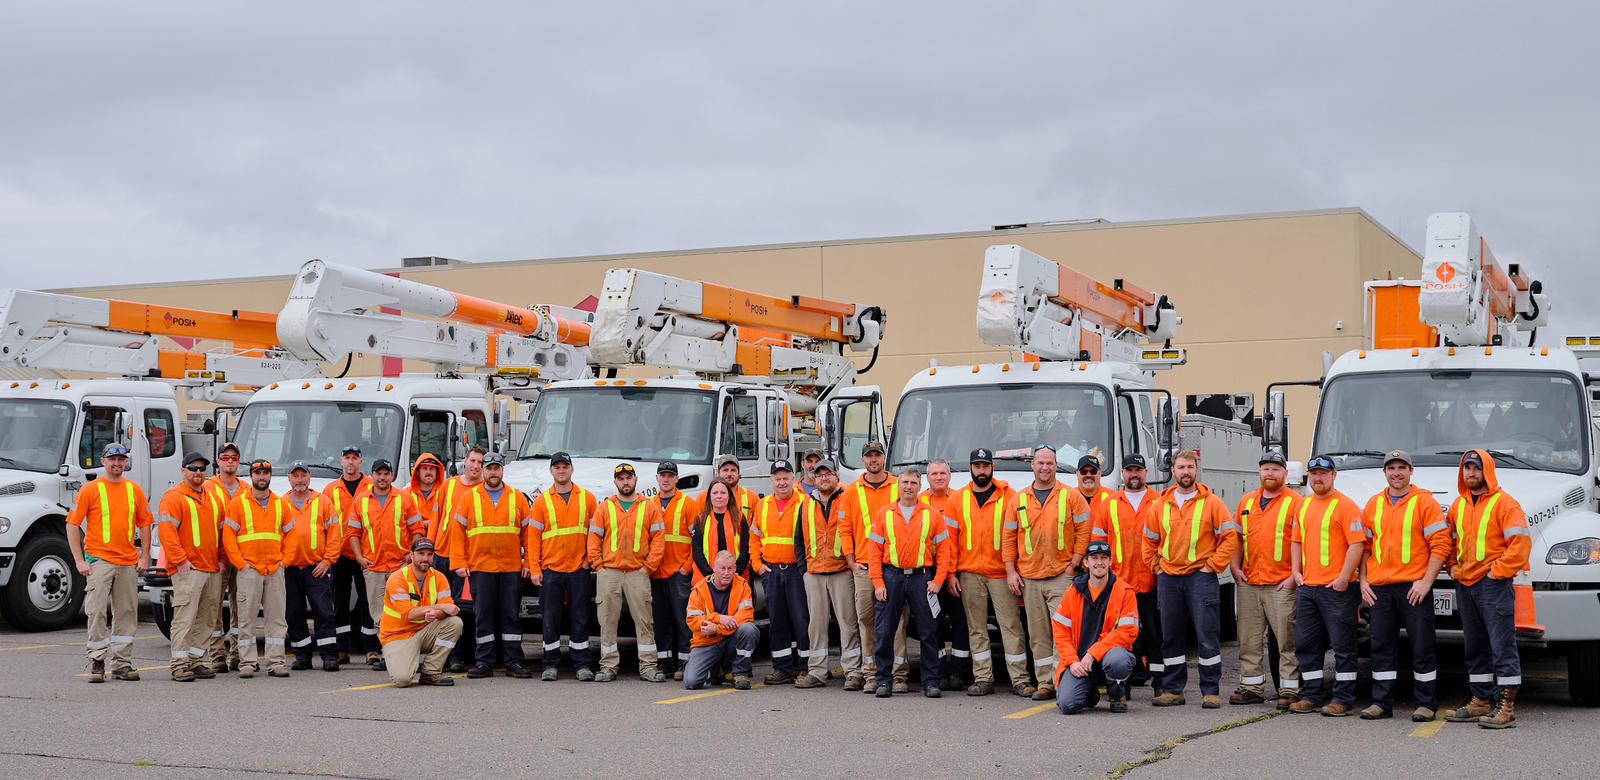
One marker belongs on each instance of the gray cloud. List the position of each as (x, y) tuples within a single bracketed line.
[(160, 141)]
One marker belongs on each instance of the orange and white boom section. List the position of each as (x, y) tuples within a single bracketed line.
[(52, 332), (1049, 311), (335, 310), (651, 319), (1467, 296)]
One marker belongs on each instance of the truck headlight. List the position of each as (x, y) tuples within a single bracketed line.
[(1575, 553)]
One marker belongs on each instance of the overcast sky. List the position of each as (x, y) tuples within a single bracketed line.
[(157, 141)]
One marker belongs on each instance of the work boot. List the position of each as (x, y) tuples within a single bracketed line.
[(1303, 707), (183, 675), (1504, 715), (435, 679), (344, 657), (378, 665), (1470, 712), (1246, 696), (219, 667), (1119, 705), (980, 689), (605, 675), (778, 678), (951, 683), (1090, 700), (233, 663), (1284, 701), (1211, 702), (931, 691), (853, 682), (550, 675), (330, 664), (883, 692), (585, 675), (807, 681), (246, 671), (901, 686), (677, 674), (1423, 715), (300, 664), (1334, 710), (126, 673), (1023, 689), (518, 670), (1376, 712), (655, 676), (1169, 699), (203, 672), (741, 683), (97, 671), (1045, 693), (480, 671), (456, 667), (277, 670)]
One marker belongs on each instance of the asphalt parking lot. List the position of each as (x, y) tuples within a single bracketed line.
[(352, 724)]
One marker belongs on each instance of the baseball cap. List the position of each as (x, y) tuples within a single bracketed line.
[(559, 457), (1098, 548), (1321, 462), (781, 465), (350, 449), (723, 460), (260, 464), (114, 450), (229, 446), (1133, 461), (1400, 455), (1088, 461), (195, 457), (494, 459), (812, 453), (1472, 456), (873, 446), (666, 467), (422, 543), (1272, 456), (623, 468), (384, 465), (299, 465), (826, 465), (981, 455)]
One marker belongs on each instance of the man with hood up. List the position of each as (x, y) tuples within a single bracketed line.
[(1492, 545)]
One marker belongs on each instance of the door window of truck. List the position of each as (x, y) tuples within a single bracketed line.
[(739, 437), (162, 433), (99, 429)]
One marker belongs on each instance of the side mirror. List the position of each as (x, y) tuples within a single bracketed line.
[(63, 470), (123, 436), (1167, 429), (777, 451), (1275, 428)]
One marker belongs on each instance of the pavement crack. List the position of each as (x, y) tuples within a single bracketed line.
[(379, 720), (1164, 750), (162, 765)]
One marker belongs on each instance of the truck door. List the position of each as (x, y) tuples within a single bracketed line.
[(1147, 424), (853, 416), (162, 442), (739, 431)]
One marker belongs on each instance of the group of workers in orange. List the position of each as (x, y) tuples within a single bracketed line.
[(1099, 586)]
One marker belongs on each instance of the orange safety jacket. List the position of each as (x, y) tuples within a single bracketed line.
[(862, 502), (317, 534), (384, 530), (980, 529), (1401, 537), (404, 592), (558, 534), (190, 525), (447, 502), (253, 534), (487, 535), (1113, 520), (109, 514), (905, 544), (678, 515), (702, 611), (1048, 535), (1325, 528), (775, 533), (1267, 536), (344, 502), (1491, 531), (1200, 536), (824, 536), (1119, 627), (627, 539)]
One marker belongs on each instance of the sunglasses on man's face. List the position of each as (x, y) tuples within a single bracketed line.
[(194, 469), (1088, 472), (227, 457)]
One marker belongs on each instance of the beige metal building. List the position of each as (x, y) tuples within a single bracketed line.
[(1263, 296)]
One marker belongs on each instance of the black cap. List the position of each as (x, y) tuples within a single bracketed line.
[(1098, 548), (422, 543), (1272, 456), (494, 459), (825, 465), (781, 465), (382, 465), (560, 457), (666, 467), (260, 464), (195, 457), (623, 468), (299, 465), (1133, 461), (1322, 462), (873, 446), (981, 455), (229, 446), (350, 449), (1089, 461)]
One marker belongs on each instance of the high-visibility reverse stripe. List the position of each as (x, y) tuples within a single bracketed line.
[(250, 533), (105, 511), (550, 511)]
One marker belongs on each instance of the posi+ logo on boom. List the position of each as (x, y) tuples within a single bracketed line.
[(1446, 272), (181, 322), (755, 308)]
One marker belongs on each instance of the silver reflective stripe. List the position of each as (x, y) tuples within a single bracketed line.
[(180, 655), (197, 652), (445, 594), (444, 643), (218, 634), (952, 524), (584, 645), (1080, 519), (1385, 675), (1018, 658), (1344, 676), (848, 654), (1211, 661), (1253, 680), (982, 655), (1154, 667), (1435, 528), (302, 643), (327, 640), (1011, 526), (550, 647), (1486, 678), (657, 527), (899, 660), (1127, 621), (608, 649), (229, 523), (943, 535), (511, 637), (747, 604), (960, 653), (1098, 532), (1176, 660), (1062, 619), (173, 521), (1228, 526), (1510, 532), (531, 523), (1425, 676), (743, 653), (647, 648), (1517, 680), (1045, 663), (128, 640), (597, 530), (338, 630), (486, 639), (274, 641), (876, 538), (664, 654), (784, 653), (692, 613), (1289, 685), (1149, 534)]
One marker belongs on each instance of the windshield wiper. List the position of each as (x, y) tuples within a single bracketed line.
[(324, 466), (4, 461), (1498, 455), (1359, 453), (897, 464)]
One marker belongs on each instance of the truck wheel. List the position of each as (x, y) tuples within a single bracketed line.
[(46, 591), (162, 609), (1583, 673)]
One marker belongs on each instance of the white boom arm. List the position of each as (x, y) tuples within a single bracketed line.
[(1465, 293), (334, 310)]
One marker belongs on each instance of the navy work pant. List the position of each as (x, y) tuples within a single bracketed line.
[(669, 599), (497, 605), (1147, 648), (1190, 600), (352, 618), (733, 651), (570, 595), (1325, 618), (1489, 628), (953, 629), (303, 591), (1113, 671), (906, 587), (786, 609), (1388, 614)]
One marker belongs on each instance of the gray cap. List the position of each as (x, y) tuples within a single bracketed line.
[(299, 465), (723, 460), (114, 450), (494, 459), (1272, 456), (826, 465), (1400, 455)]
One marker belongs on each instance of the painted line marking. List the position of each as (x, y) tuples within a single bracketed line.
[(1030, 712), (707, 694), (140, 669), (1427, 730), (376, 686), (73, 644)]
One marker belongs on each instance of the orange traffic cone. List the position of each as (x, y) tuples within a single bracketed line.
[(1527, 612)]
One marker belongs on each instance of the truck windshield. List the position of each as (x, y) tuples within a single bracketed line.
[(1528, 420), (949, 423), (34, 434), (317, 432), (642, 423)]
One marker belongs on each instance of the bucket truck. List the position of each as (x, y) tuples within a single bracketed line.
[(1453, 362)]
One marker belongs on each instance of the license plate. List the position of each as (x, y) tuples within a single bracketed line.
[(1444, 602)]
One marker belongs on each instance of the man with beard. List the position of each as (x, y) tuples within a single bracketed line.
[(1043, 553), (382, 525), (358, 635), (980, 524), (626, 543), (446, 498), (310, 550), (223, 651), (728, 473), (1328, 543), (955, 655), (863, 500), (420, 621), (253, 537), (1093, 630), (1189, 538), (190, 525), (829, 585), (487, 540), (1117, 518), (1263, 578), (670, 584)]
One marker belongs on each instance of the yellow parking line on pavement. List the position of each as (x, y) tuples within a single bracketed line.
[(1030, 712), (376, 686), (707, 695), (1427, 730), (140, 669), (73, 644)]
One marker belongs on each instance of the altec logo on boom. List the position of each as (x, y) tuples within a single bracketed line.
[(511, 317)]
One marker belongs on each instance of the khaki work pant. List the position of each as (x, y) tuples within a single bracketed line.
[(264, 593), (115, 589), (424, 652), (196, 597), (612, 587), (376, 583), (224, 644), (836, 592), (1041, 598), (977, 593), (866, 621), (1263, 607)]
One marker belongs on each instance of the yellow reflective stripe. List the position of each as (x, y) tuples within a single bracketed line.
[(1483, 524), (1061, 519), (1166, 530), (638, 524), (1278, 533), (250, 534), (1022, 520), (392, 612), (677, 522), (582, 525), (922, 543), (1116, 527), (510, 497), (314, 510), (766, 537), (194, 520), (1461, 528), (105, 511), (1194, 528), (966, 518), (811, 532), (1405, 539), (1323, 536), (1244, 531)]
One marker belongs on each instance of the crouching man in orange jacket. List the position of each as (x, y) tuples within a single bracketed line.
[(421, 621), (722, 622), (1095, 628)]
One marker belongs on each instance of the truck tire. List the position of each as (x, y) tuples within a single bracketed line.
[(46, 591), (161, 609), (1583, 673)]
